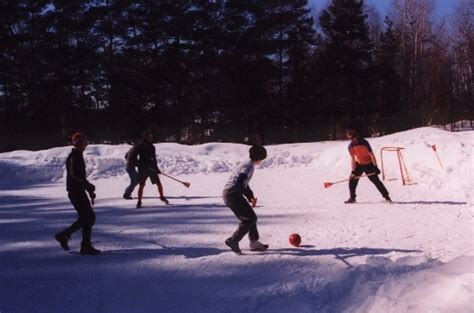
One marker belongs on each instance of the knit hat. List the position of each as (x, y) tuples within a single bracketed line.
[(257, 153), (352, 133), (76, 137)]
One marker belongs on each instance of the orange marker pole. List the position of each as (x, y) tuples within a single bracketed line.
[(437, 156)]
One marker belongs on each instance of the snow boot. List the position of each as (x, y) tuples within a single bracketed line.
[(162, 198), (350, 200), (139, 204), (127, 197), (234, 245), (63, 238), (257, 246), (88, 249)]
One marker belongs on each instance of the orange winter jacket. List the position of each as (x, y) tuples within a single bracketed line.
[(361, 151)]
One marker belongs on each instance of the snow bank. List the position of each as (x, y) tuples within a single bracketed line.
[(330, 159), (410, 285), (37, 167), (104, 161)]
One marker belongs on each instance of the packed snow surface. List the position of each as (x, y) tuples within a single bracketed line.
[(413, 255)]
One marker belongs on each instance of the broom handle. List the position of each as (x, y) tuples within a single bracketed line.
[(357, 177), (439, 160), (171, 177)]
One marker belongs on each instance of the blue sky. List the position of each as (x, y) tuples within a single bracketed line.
[(443, 7)]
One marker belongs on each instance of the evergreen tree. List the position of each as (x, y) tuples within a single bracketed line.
[(300, 100), (387, 80), (345, 60), (271, 36), (71, 64), (14, 38), (176, 64), (110, 31), (245, 69), (205, 67)]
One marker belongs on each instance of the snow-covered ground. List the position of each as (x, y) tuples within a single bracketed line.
[(413, 255)]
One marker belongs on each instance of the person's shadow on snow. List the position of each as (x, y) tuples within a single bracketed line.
[(431, 202), (339, 253), (187, 252), (305, 250)]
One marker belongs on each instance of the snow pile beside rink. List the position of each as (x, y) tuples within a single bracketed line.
[(104, 161), (322, 158), (409, 285), (32, 167)]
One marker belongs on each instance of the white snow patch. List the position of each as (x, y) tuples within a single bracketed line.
[(414, 255)]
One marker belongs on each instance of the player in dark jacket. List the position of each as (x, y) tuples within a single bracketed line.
[(131, 169), (363, 161), (148, 167), (77, 185)]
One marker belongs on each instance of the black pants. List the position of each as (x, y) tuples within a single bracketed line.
[(86, 219), (245, 213), (368, 169), (144, 173)]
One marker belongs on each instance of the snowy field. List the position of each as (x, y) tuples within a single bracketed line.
[(413, 255)]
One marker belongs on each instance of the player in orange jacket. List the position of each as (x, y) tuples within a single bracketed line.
[(363, 161)]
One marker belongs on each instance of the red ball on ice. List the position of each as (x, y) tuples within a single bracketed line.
[(295, 240)]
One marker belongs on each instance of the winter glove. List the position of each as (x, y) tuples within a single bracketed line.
[(158, 171), (90, 188), (248, 193), (92, 195), (254, 202), (376, 170), (353, 175)]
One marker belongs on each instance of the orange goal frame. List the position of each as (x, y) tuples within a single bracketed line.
[(406, 180)]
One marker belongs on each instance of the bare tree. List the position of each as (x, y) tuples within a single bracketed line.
[(413, 23), (463, 54), (375, 22)]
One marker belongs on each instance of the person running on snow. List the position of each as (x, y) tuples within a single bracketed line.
[(363, 161), (147, 166), (131, 169), (234, 191), (77, 185)]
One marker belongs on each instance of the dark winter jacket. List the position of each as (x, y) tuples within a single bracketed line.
[(131, 157), (76, 173), (146, 155)]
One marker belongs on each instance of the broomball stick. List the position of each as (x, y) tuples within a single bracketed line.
[(185, 183), (437, 156), (329, 184)]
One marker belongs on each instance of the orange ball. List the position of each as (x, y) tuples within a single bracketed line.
[(295, 240)]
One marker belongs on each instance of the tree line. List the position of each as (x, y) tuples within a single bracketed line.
[(255, 71)]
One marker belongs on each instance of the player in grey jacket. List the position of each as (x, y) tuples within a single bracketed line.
[(237, 195)]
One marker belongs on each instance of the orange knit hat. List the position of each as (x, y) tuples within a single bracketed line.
[(76, 137)]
